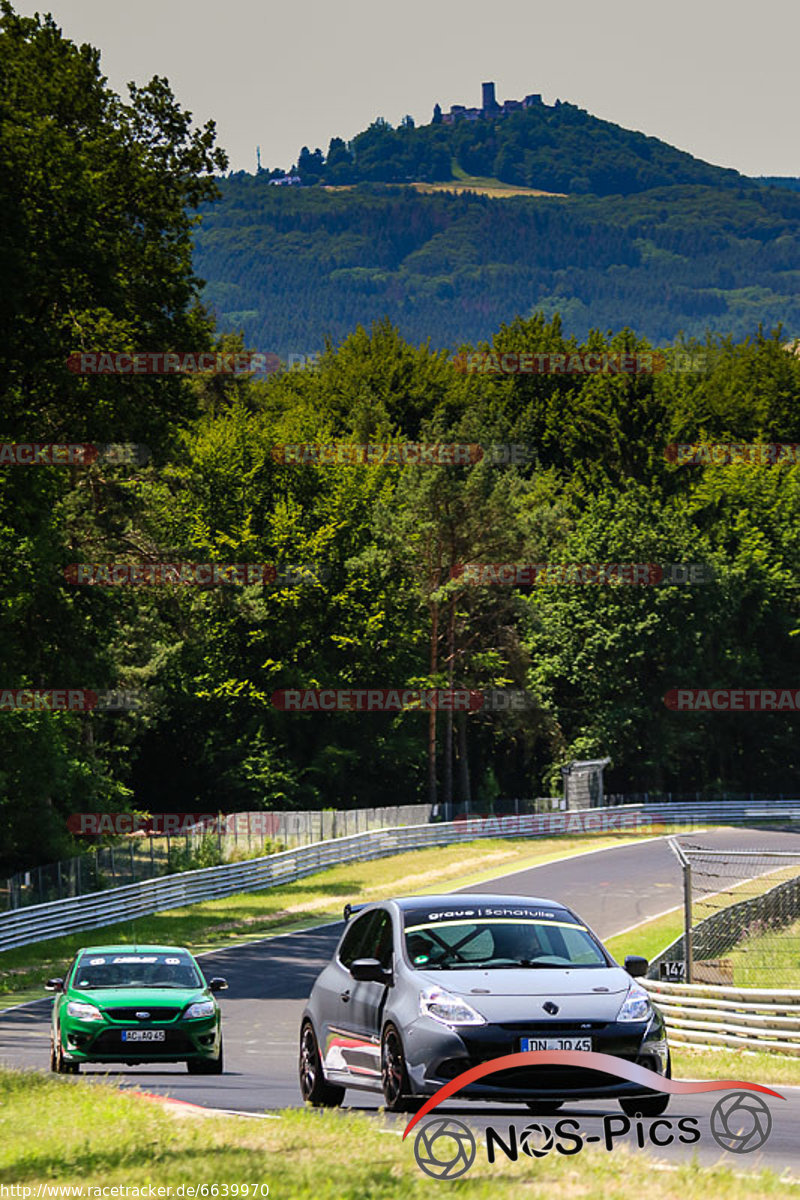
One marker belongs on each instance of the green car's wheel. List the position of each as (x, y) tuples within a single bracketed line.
[(313, 1086), (206, 1066), (58, 1062)]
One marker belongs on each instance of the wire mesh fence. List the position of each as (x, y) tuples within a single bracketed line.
[(741, 917)]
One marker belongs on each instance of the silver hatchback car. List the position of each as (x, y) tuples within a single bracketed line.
[(422, 988)]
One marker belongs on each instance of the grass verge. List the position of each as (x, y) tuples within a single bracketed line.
[(215, 924), (71, 1133)]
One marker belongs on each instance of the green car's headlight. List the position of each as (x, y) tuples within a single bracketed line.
[(83, 1012), (203, 1008)]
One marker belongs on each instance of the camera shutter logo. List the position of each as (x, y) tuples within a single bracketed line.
[(741, 1122), (444, 1148), (536, 1140)]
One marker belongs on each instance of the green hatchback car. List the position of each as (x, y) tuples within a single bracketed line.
[(135, 1004)]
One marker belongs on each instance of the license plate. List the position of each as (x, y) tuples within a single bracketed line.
[(584, 1043), (143, 1035)]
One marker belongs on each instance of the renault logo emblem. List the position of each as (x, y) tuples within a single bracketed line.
[(550, 1007)]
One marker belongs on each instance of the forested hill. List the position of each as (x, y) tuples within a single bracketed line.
[(558, 148), (290, 266)]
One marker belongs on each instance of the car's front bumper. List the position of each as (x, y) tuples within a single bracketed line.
[(436, 1054), (91, 1041)]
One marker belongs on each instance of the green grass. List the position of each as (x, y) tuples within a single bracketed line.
[(649, 938), (214, 924), (751, 1066), (69, 1132), (769, 959)]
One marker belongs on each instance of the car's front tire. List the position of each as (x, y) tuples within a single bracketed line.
[(314, 1088), (58, 1063), (648, 1106), (394, 1074), (206, 1066)]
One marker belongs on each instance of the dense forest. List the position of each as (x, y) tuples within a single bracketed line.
[(294, 266), (96, 198)]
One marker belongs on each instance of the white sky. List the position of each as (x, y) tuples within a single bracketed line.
[(718, 78)]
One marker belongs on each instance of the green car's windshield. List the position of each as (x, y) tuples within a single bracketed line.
[(136, 971), (494, 945)]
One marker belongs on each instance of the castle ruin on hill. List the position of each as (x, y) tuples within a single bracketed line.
[(489, 107)]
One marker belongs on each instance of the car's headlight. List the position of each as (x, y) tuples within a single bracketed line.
[(636, 1006), (449, 1009), (83, 1012), (203, 1008)]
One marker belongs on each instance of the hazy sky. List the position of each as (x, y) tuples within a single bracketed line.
[(718, 78)]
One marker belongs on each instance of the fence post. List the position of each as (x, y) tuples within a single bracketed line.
[(687, 919), (133, 865)]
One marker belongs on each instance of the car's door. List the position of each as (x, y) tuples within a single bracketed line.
[(340, 1045), (368, 999)]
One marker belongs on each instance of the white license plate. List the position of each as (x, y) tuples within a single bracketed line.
[(584, 1043), (143, 1035)]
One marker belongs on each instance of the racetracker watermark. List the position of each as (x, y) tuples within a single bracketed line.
[(444, 1148), (718, 454), (148, 362), (73, 454), (593, 362), (401, 700), (600, 820), (544, 574), (193, 574), (90, 824), (733, 699), (70, 700), (403, 454)]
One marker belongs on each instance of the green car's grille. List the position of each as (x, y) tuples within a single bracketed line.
[(156, 1013)]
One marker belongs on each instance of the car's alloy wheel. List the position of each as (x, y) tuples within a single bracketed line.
[(543, 1108), (394, 1076), (313, 1086)]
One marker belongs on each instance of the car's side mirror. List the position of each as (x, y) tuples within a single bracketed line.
[(369, 970), (217, 984), (54, 985), (636, 966)]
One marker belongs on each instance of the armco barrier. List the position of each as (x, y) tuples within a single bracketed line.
[(36, 923), (707, 1016)]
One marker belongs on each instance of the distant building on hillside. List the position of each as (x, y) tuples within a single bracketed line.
[(285, 181), (489, 107)]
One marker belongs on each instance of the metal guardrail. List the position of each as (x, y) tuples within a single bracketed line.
[(39, 922), (709, 1017)]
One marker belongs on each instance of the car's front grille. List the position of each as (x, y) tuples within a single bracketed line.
[(552, 1028), (110, 1042), (156, 1013)]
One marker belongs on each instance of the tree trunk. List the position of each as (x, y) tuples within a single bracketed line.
[(432, 711)]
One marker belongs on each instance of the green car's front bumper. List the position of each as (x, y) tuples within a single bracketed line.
[(109, 1041)]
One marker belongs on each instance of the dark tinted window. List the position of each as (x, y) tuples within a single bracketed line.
[(381, 940), (356, 943), (136, 970)]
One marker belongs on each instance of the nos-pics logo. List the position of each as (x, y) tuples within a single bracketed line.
[(446, 1148)]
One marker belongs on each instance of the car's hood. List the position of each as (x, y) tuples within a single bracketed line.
[(139, 997), (514, 995)]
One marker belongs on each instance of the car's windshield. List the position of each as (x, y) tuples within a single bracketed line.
[(497, 944), (136, 971)]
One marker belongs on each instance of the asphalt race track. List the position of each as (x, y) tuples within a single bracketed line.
[(270, 980)]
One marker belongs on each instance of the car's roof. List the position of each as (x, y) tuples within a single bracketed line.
[(448, 899), (133, 949)]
